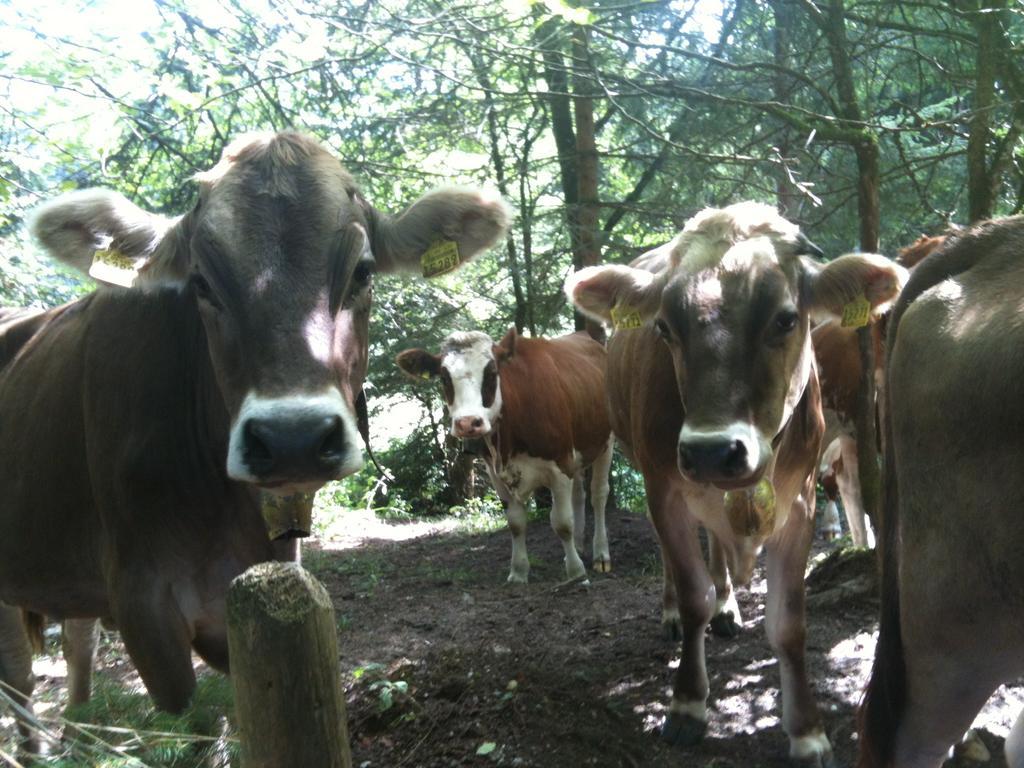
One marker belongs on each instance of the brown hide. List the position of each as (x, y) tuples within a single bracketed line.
[(952, 614), (16, 327), (554, 401)]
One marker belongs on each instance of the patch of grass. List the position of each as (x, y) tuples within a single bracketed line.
[(480, 515), (118, 728)]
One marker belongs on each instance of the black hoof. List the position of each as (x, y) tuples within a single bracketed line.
[(683, 730), (725, 625)]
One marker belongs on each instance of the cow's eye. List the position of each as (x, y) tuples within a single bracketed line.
[(201, 288), (662, 328), (786, 321)]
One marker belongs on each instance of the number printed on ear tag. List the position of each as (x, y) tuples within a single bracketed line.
[(113, 267), (625, 317), (857, 313), (441, 257)]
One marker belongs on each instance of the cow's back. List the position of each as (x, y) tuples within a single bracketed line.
[(554, 399), (957, 400)]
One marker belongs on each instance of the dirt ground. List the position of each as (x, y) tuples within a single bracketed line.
[(549, 676), (447, 665)]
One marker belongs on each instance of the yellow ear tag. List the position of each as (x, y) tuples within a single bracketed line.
[(441, 257), (857, 313), (625, 317), (113, 267), (287, 516), (425, 375)]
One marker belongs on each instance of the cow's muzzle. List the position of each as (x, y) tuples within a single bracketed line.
[(729, 458), (294, 448), (295, 442)]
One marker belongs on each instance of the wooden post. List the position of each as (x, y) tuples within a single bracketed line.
[(284, 669)]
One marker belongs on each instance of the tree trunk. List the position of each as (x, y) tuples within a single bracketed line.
[(785, 191), (588, 245), (981, 181)]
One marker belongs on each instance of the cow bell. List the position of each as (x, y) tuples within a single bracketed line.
[(287, 517), (751, 511)]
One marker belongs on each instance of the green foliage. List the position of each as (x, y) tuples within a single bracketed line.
[(121, 729)]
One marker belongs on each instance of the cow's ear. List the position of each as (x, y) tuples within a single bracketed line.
[(865, 278), (601, 291), (505, 349), (440, 231), (100, 233), (419, 364)]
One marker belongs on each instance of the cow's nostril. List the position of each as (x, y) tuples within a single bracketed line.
[(686, 458), (257, 450), (333, 443), (478, 422), (736, 457)]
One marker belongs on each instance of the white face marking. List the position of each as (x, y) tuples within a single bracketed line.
[(466, 367), (318, 330), (329, 403)]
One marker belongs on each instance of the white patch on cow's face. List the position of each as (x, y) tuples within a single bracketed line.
[(318, 331), (296, 409), (465, 366)]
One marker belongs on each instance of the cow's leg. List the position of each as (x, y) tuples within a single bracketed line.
[(519, 573), (848, 481), (599, 501), (16, 676), (158, 638), (579, 509), (78, 639), (787, 552), (287, 550), (943, 696), (671, 624), (727, 621), (680, 547), (561, 523)]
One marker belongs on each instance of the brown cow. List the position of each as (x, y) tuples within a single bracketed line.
[(952, 616), (540, 407), (839, 367), (141, 425), (715, 397)]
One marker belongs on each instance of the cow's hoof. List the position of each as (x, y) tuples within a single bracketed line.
[(826, 760), (811, 751), (602, 565), (725, 625), (516, 578), (683, 730)]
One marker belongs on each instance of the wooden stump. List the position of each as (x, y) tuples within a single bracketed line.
[(284, 669)]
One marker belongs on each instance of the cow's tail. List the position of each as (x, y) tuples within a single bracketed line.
[(885, 698), (34, 623)]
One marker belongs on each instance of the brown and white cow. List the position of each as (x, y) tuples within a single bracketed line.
[(716, 399), (141, 425), (839, 368), (952, 614), (541, 409)]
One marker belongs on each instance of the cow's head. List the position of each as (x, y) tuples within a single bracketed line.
[(278, 255), (469, 369), (733, 305)]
